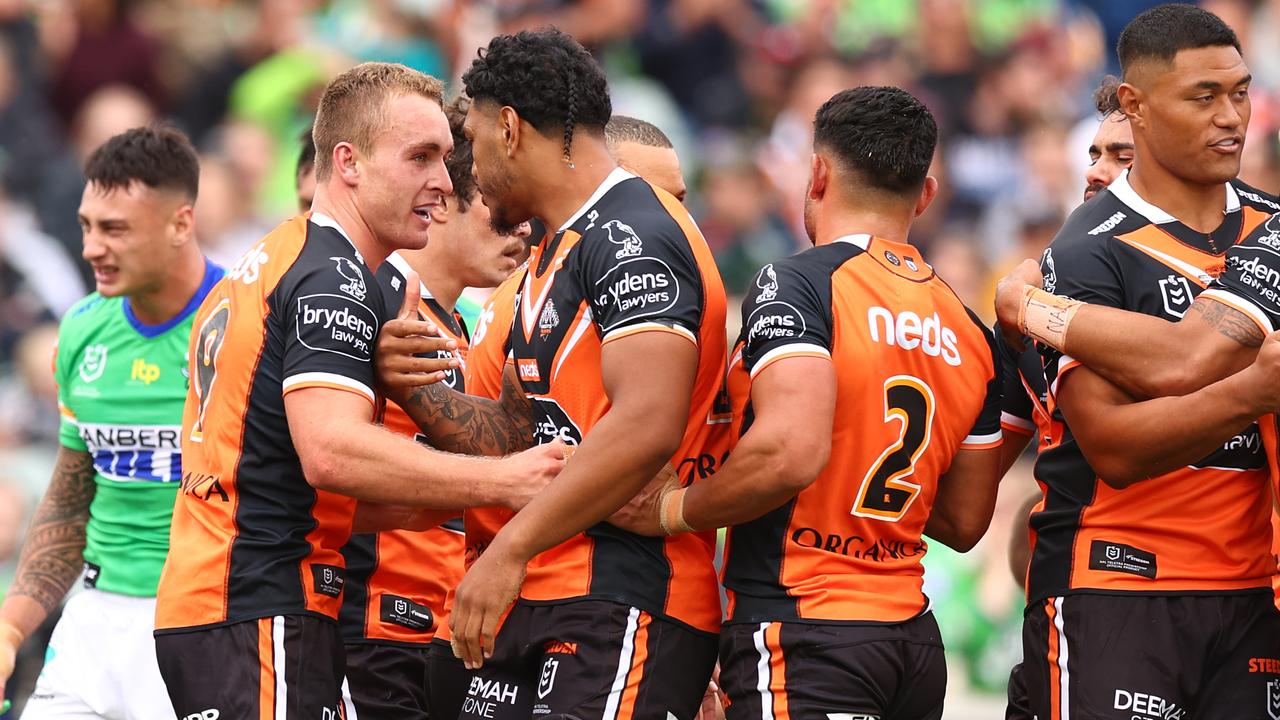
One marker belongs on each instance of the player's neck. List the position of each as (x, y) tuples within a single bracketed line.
[(437, 274), (165, 302), (568, 189), (345, 213), (1196, 205), (835, 223)]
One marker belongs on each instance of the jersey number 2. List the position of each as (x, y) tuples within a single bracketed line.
[(885, 494)]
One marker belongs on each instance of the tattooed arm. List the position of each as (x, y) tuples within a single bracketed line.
[(52, 555), (460, 423)]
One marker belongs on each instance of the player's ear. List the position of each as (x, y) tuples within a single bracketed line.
[(819, 174), (344, 163), (1131, 99), (509, 128), (927, 194), (183, 224)]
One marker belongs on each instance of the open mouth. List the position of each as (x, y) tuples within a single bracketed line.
[(1228, 145)]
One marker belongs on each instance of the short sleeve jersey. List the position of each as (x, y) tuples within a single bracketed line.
[(254, 539), (1200, 528), (916, 381), (1023, 409), (121, 387), (397, 580), (630, 261)]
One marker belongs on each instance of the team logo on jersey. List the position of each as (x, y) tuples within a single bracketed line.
[(549, 319), (911, 263), (1273, 699), (621, 233), (1050, 272), (1175, 290), (93, 362), (247, 267), (548, 679), (354, 285), (767, 281), (893, 259)]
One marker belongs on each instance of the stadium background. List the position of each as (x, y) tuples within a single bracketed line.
[(735, 84)]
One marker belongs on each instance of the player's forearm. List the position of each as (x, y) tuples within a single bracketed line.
[(1128, 443), (611, 465), (372, 464), (53, 550), (767, 468), (459, 423), (1140, 353), (1012, 444)]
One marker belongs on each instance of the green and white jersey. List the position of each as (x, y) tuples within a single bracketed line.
[(122, 385)]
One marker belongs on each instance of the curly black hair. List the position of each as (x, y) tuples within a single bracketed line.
[(547, 76), (159, 156), (458, 162), (884, 134), (1161, 32), (1106, 98)]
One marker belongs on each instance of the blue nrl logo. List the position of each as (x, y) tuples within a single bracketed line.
[(93, 362)]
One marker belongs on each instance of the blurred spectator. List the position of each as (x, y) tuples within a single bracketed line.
[(228, 225), (29, 398), (38, 280), (95, 43)]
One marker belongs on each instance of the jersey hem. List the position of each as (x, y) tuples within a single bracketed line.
[(241, 619), (1034, 600), (621, 601)]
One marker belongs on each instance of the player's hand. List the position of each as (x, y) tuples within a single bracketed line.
[(1266, 368), (10, 640), (527, 473), (482, 600), (1009, 293), (643, 514), (713, 701), (406, 355)]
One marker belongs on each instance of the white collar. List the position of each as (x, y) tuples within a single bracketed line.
[(861, 240), (323, 220), (613, 178), (399, 263), (1125, 193)]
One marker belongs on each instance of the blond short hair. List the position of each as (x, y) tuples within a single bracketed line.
[(352, 106)]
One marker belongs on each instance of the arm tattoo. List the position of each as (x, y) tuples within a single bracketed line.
[(53, 555), (459, 423), (1230, 323)]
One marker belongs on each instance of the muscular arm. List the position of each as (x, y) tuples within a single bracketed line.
[(53, 554), (648, 378), (1126, 441), (1150, 357), (966, 499), (786, 447), (342, 451), (1011, 446), (472, 425)]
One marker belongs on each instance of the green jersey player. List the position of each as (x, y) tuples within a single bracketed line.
[(122, 382)]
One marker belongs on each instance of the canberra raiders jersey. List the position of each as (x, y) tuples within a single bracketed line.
[(121, 388)]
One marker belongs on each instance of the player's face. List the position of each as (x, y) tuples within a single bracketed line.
[(130, 236), (659, 166), (486, 257), (1196, 114), (492, 167), (1110, 153), (404, 177)]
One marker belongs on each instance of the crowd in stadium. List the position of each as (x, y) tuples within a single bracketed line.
[(577, 286)]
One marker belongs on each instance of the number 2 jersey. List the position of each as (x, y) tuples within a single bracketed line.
[(631, 260), (916, 381), (251, 537), (1201, 528)]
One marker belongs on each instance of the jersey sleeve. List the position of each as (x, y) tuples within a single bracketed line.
[(790, 316), (328, 333), (642, 278), (68, 427), (1016, 410), (1251, 281), (986, 429)]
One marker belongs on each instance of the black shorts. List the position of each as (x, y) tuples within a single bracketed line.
[(256, 668), (447, 680), (591, 660), (386, 681), (1019, 708), (1153, 657), (807, 671)]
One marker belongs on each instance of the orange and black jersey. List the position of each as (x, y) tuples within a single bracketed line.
[(1024, 409), (1200, 528), (631, 260), (250, 537), (917, 380), (397, 580)]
